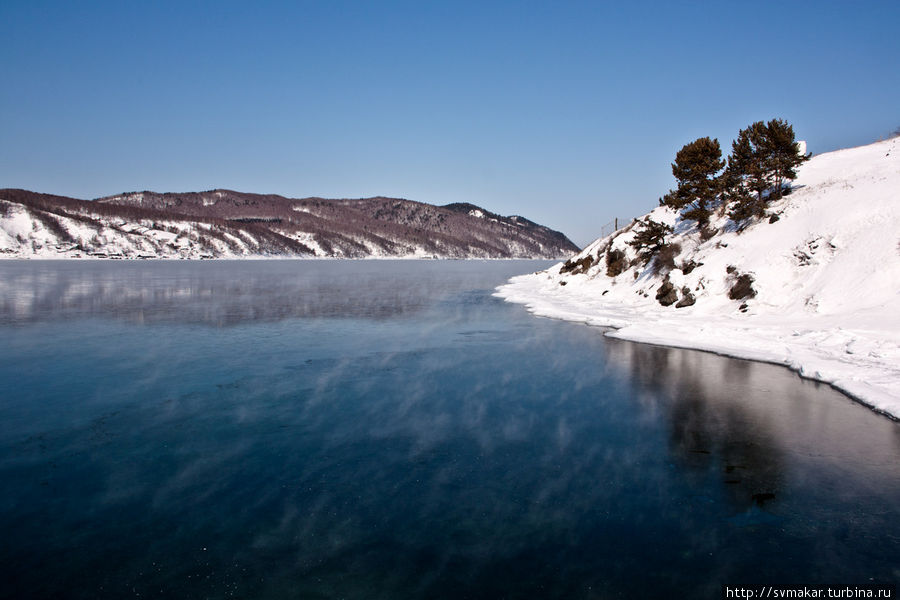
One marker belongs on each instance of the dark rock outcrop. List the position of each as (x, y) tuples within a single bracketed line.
[(687, 298), (666, 294)]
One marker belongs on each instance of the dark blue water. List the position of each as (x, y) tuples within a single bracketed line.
[(325, 429)]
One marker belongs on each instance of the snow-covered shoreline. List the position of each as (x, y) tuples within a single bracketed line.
[(821, 350), (826, 275)]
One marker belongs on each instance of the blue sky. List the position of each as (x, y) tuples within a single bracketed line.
[(568, 113)]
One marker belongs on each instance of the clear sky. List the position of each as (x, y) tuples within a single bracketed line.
[(568, 113)]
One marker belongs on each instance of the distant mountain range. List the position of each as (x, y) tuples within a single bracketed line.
[(229, 224)]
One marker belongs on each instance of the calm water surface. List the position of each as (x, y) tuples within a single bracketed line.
[(327, 429)]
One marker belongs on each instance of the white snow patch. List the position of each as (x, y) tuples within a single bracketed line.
[(309, 240), (240, 243)]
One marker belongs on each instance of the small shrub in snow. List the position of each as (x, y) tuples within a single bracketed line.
[(742, 288), (577, 266), (665, 258), (649, 238), (616, 262)]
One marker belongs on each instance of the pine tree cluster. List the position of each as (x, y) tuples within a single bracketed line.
[(763, 159)]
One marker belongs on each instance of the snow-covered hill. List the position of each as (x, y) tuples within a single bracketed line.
[(27, 232), (228, 224), (824, 277)]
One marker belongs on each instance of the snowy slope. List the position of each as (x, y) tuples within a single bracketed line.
[(27, 232), (826, 276)]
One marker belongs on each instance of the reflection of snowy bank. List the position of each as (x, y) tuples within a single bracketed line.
[(861, 360), (826, 277)]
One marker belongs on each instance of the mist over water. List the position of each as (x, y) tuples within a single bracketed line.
[(382, 429)]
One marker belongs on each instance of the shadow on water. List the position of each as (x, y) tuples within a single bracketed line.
[(401, 433), (793, 459), (713, 429)]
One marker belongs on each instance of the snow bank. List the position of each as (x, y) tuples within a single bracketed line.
[(826, 276)]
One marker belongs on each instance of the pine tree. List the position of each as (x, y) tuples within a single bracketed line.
[(650, 238), (763, 157), (783, 154), (696, 169), (744, 180)]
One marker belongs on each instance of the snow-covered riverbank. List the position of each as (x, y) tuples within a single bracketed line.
[(826, 276)]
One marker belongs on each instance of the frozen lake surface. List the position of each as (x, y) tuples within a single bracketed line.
[(388, 429)]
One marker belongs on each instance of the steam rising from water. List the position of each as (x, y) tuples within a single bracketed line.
[(391, 430)]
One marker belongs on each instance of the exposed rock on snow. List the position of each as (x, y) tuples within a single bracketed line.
[(817, 289)]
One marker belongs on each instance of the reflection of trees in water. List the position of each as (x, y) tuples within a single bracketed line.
[(713, 429)]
